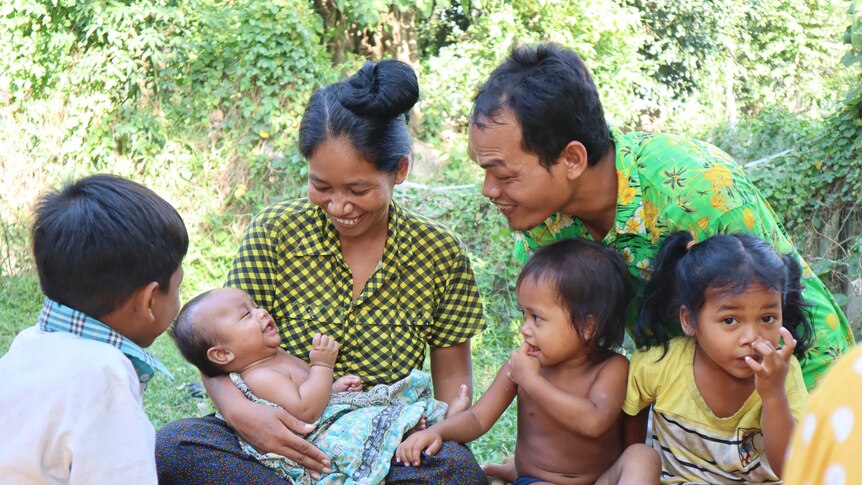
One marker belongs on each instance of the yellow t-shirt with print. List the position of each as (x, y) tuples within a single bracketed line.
[(695, 445)]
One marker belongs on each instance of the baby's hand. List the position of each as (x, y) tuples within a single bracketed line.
[(771, 372), (347, 384), (410, 450), (521, 366), (324, 350)]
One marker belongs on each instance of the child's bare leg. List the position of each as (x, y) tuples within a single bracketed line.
[(639, 464), (505, 470), (461, 403)]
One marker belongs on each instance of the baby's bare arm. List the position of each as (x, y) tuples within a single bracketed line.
[(306, 401), (593, 415)]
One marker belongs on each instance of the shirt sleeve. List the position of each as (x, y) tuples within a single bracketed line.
[(459, 314), (113, 441), (642, 382), (254, 267)]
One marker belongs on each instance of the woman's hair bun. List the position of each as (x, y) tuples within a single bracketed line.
[(383, 90)]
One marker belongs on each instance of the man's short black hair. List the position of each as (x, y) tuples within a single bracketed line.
[(96, 241), (550, 91)]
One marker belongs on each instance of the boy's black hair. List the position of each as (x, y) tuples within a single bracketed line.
[(729, 263), (550, 91), (370, 109), (587, 279), (98, 240), (193, 340)]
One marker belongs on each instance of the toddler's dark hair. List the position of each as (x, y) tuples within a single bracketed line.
[(587, 279), (730, 263), (193, 339), (98, 240)]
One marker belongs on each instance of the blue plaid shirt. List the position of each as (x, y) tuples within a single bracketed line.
[(60, 318)]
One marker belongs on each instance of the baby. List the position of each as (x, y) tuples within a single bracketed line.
[(223, 331)]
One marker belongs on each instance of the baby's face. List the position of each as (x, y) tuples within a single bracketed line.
[(240, 325)]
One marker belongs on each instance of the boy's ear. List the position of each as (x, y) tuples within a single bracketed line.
[(144, 299), (220, 355), (686, 321)]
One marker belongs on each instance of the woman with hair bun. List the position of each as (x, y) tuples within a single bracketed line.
[(349, 263)]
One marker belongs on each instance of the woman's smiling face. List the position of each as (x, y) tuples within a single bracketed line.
[(351, 190)]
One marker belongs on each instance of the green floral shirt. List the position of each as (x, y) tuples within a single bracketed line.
[(670, 183)]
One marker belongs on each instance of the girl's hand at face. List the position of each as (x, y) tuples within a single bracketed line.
[(409, 452), (771, 372), (521, 366)]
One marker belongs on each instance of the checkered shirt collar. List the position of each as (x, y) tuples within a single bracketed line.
[(56, 317)]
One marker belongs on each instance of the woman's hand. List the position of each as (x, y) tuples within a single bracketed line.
[(273, 430), (771, 372), (347, 384), (410, 450)]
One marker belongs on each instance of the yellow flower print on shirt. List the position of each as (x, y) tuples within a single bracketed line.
[(643, 266), (718, 202), (720, 176), (628, 255), (748, 218), (625, 194)]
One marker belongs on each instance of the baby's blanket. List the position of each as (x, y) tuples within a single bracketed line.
[(359, 431)]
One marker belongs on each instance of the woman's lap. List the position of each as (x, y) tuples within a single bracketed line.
[(205, 450)]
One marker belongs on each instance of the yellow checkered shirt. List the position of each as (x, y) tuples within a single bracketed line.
[(422, 292)]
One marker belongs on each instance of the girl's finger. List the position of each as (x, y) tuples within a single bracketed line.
[(754, 365), (789, 344)]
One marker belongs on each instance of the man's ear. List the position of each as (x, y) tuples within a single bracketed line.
[(686, 321), (574, 156), (220, 355)]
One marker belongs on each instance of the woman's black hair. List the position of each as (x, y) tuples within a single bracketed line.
[(730, 263), (587, 279), (551, 92), (370, 109)]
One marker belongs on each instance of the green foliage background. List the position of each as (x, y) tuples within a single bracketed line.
[(201, 100)]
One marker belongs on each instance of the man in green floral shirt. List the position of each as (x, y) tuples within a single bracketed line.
[(555, 170)]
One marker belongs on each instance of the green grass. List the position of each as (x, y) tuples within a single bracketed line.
[(206, 265)]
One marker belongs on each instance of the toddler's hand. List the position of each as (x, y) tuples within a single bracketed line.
[(771, 372), (324, 350), (347, 384), (410, 450), (521, 366)]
